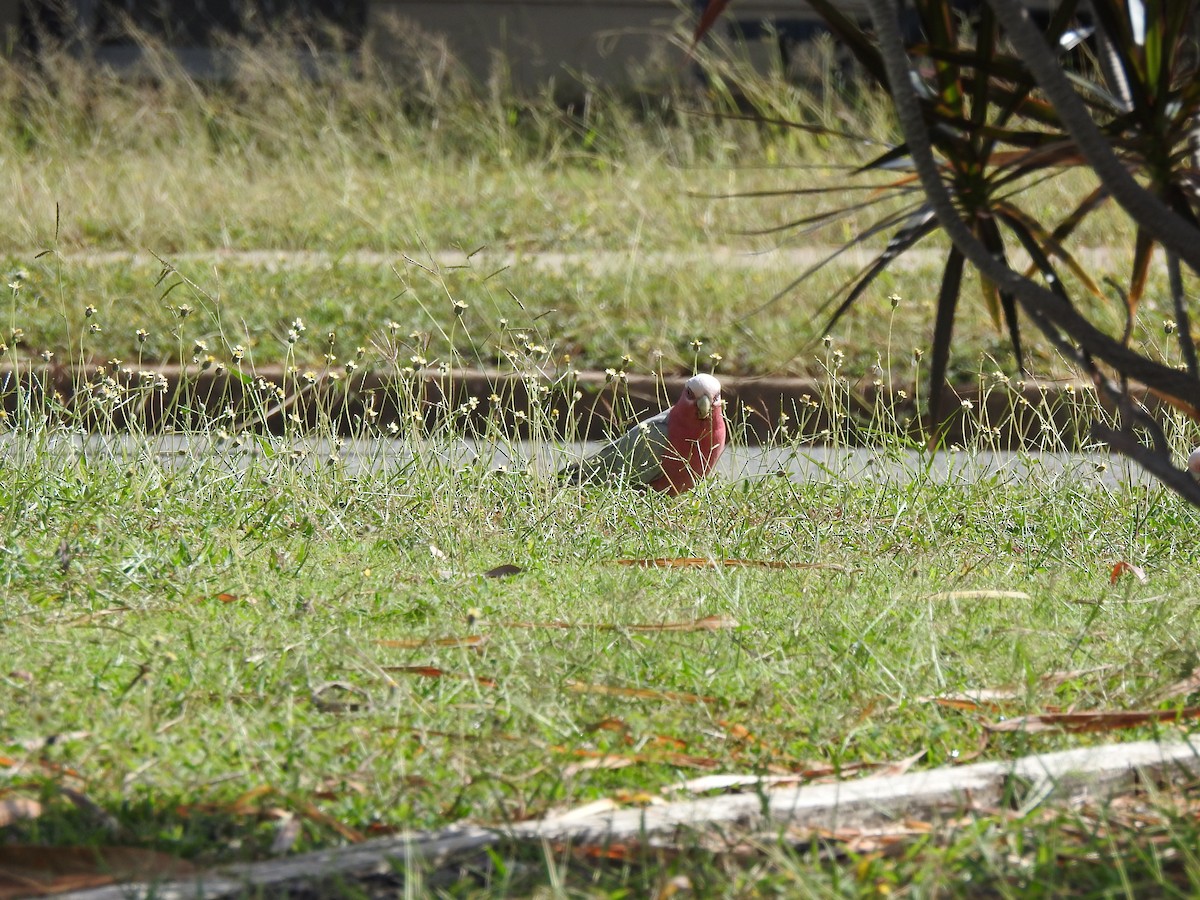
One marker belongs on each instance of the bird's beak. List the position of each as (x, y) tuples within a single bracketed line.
[(703, 406)]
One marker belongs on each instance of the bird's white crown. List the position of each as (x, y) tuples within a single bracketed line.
[(704, 384)]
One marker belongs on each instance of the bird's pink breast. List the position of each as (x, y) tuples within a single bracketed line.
[(695, 446)]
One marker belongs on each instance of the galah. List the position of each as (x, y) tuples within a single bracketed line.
[(667, 452), (1193, 463)]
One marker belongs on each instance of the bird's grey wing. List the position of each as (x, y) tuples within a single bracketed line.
[(636, 455)]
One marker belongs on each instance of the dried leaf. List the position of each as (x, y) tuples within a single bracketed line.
[(313, 814), (224, 597), (250, 802), (468, 640), (1092, 720), (708, 623), (102, 817), (28, 870), (54, 768), (711, 783), (981, 744), (973, 701), (736, 732), (697, 562), (38, 743), (1121, 568), (286, 834), (900, 766), (321, 697), (435, 672), (611, 723), (504, 571), (609, 761), (637, 797), (87, 618), (687, 761), (666, 740), (979, 595), (1183, 688), (991, 698), (612, 852), (17, 809), (594, 759), (579, 687), (587, 810)]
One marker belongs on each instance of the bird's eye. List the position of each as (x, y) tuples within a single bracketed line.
[(691, 396)]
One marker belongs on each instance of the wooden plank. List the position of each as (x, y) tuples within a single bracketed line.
[(1086, 773)]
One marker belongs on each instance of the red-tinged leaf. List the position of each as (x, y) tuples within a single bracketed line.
[(736, 732), (666, 740), (504, 571), (610, 852), (1093, 721), (612, 723), (435, 672), (696, 562), (711, 13), (689, 761), (223, 597), (469, 640), (379, 829), (18, 809), (1143, 254), (27, 870), (1124, 568), (579, 687)]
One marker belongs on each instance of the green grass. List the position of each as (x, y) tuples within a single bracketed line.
[(633, 193), (189, 619), (634, 314), (206, 632)]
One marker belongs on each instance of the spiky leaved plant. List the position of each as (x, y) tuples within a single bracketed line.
[(989, 109)]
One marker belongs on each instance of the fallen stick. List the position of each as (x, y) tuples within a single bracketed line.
[(1093, 773)]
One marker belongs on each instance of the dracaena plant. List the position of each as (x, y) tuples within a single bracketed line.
[(987, 108)]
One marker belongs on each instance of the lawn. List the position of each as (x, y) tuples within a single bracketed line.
[(201, 648), (221, 640)]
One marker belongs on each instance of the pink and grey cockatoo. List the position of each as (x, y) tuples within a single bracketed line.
[(1193, 463), (668, 452)]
